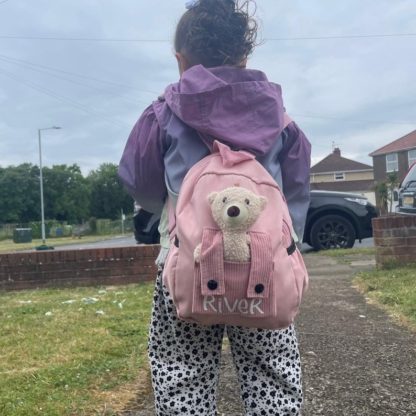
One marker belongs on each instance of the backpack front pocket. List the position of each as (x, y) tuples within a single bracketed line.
[(234, 300)]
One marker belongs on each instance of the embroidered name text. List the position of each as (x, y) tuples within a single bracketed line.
[(223, 305)]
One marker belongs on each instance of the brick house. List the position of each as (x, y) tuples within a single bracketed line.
[(397, 156), (337, 173)]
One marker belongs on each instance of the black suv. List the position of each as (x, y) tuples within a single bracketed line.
[(337, 219), (407, 193), (334, 220)]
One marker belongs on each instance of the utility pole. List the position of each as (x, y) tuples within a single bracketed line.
[(123, 217), (42, 205)]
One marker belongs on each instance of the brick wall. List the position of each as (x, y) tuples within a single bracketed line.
[(395, 239), (109, 266), (379, 163)]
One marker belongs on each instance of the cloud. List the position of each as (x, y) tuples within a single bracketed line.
[(351, 91)]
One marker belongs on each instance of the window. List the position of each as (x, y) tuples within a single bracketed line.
[(392, 162), (339, 176), (411, 157)]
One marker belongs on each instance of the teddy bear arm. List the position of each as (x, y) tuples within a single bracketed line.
[(197, 253)]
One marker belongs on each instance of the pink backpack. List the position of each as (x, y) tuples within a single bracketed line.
[(232, 258)]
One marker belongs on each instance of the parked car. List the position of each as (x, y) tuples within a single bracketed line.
[(337, 219), (406, 196), (334, 220)]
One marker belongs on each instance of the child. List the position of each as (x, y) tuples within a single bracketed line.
[(216, 97)]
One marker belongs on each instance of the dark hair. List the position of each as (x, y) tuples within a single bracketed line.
[(217, 32)]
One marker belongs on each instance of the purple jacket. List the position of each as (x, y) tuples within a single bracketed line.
[(241, 108)]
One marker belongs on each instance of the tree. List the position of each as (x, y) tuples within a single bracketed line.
[(107, 194), (392, 183), (19, 194), (67, 193), (382, 196), (385, 191)]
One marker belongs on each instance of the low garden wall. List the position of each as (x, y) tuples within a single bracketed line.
[(395, 240), (63, 268)]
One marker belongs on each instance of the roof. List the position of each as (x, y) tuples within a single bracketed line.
[(345, 186), (407, 142), (336, 163)]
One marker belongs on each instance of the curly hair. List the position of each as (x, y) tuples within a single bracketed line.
[(217, 32)]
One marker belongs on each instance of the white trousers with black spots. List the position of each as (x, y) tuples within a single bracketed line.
[(185, 361)]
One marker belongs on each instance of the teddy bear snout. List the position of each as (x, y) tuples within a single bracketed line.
[(233, 211)]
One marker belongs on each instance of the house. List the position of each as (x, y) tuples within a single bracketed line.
[(396, 156), (337, 173)]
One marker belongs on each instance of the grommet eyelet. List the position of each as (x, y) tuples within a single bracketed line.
[(259, 288), (212, 284)]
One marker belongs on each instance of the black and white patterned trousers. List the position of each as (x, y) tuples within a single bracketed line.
[(185, 361)]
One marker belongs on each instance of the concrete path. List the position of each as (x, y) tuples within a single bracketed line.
[(356, 360)]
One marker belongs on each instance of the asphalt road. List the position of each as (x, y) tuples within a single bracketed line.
[(128, 240), (119, 241)]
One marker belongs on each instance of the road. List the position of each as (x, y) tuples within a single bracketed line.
[(119, 241), (128, 240)]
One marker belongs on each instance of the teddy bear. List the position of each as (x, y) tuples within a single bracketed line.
[(235, 210)]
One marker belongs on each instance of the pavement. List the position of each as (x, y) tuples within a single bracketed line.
[(356, 360)]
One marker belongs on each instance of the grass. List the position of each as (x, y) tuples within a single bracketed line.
[(7, 246), (65, 358), (394, 290), (345, 252)]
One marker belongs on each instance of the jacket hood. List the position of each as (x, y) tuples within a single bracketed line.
[(240, 107)]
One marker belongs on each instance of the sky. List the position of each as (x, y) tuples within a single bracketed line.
[(357, 93)]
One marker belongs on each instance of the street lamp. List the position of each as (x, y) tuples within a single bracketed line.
[(42, 208)]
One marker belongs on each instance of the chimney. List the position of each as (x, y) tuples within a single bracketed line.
[(337, 151)]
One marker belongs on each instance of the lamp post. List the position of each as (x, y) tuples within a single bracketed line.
[(42, 207)]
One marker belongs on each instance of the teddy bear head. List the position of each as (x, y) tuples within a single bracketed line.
[(236, 208)]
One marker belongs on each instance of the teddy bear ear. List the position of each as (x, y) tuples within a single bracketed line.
[(211, 197)]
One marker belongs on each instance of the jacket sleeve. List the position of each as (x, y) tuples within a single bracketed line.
[(295, 162), (141, 169)]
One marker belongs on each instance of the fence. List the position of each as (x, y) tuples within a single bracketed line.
[(57, 229), (109, 266), (395, 240)]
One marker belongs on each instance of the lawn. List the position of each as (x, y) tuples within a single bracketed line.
[(345, 252), (7, 246), (73, 351), (394, 290)]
